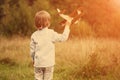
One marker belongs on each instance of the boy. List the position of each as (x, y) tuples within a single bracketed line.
[(42, 45)]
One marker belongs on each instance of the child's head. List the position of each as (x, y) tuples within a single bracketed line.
[(42, 19)]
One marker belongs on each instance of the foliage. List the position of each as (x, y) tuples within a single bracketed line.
[(101, 18), (17, 19)]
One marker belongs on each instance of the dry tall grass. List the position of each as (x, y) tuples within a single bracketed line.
[(94, 59), (78, 59)]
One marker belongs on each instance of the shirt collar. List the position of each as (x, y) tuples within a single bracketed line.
[(43, 29)]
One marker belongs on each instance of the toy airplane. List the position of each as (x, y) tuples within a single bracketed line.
[(75, 16)]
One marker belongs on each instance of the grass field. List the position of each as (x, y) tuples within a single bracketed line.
[(78, 59)]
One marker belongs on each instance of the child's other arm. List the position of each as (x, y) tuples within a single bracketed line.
[(32, 48)]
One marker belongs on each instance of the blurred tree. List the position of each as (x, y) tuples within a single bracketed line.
[(2, 2), (100, 14), (97, 11), (68, 5), (1, 13), (17, 16), (18, 19), (31, 2)]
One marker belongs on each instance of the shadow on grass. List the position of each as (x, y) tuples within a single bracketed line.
[(8, 61)]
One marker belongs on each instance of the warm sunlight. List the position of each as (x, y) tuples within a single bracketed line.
[(115, 4), (78, 41)]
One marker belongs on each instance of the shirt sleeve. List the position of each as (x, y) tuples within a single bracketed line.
[(32, 48), (61, 37)]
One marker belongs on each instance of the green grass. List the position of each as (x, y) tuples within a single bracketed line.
[(84, 59), (15, 72)]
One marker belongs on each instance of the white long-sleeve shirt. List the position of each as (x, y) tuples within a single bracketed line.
[(42, 47)]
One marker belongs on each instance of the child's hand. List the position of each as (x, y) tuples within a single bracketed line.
[(67, 23)]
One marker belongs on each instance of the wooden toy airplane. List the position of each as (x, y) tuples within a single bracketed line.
[(75, 16)]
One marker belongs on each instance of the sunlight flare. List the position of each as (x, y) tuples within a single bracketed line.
[(115, 4)]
